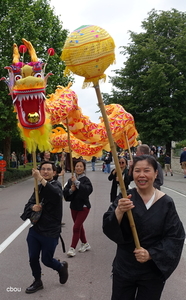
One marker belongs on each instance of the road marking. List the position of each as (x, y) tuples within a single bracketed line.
[(10, 239), (173, 191)]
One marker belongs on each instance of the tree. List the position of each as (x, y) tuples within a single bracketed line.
[(152, 83), (36, 22)]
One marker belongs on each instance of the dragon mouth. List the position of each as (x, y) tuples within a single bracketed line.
[(30, 107)]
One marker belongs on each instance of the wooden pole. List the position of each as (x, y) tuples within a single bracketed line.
[(35, 180), (115, 156), (62, 166), (70, 152)]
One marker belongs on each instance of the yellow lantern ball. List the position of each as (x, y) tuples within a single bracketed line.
[(88, 52)]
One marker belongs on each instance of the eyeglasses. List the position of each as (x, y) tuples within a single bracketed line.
[(121, 162), (47, 169)]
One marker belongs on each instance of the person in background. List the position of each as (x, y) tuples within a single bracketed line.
[(38, 158), (77, 191), (141, 273), (153, 153), (46, 156), (29, 157), (43, 236), (14, 159), (154, 149), (183, 161), (167, 162), (22, 159), (115, 188), (1, 156), (93, 161), (107, 161), (62, 161)]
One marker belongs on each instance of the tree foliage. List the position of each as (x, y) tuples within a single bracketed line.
[(152, 83), (36, 22)]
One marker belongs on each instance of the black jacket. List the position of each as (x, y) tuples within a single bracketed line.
[(115, 183), (79, 197), (160, 231), (49, 223)]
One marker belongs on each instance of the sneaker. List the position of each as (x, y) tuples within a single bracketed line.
[(171, 174), (63, 272), (34, 287), (71, 252), (84, 247)]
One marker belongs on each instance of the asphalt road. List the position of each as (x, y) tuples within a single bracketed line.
[(89, 272)]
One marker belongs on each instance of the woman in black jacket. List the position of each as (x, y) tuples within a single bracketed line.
[(115, 189), (140, 273), (77, 191)]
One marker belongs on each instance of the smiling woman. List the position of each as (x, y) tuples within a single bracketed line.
[(77, 191), (144, 174), (158, 226)]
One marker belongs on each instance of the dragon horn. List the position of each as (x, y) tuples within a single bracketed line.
[(31, 50), (16, 54)]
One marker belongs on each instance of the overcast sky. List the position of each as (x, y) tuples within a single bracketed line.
[(117, 17)]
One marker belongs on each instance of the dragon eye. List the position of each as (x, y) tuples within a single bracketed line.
[(37, 75), (17, 77)]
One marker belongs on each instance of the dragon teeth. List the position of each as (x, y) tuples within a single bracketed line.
[(37, 96)]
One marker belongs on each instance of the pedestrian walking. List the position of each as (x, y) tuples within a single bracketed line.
[(43, 236), (167, 162), (141, 273), (93, 161), (77, 191), (14, 159), (183, 161), (107, 161)]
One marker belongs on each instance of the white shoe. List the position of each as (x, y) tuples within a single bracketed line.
[(84, 247), (71, 252)]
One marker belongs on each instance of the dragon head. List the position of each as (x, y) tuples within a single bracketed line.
[(27, 85)]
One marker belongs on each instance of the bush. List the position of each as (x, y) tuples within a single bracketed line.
[(16, 174), (181, 144)]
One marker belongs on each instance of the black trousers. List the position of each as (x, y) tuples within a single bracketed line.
[(147, 289), (38, 244)]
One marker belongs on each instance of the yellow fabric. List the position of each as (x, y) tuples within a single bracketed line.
[(38, 138), (31, 50), (87, 138), (59, 142), (88, 52)]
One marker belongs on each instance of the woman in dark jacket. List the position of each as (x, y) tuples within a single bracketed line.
[(115, 189), (77, 191), (140, 273)]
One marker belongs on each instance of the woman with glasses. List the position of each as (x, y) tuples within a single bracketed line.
[(43, 236), (115, 189)]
